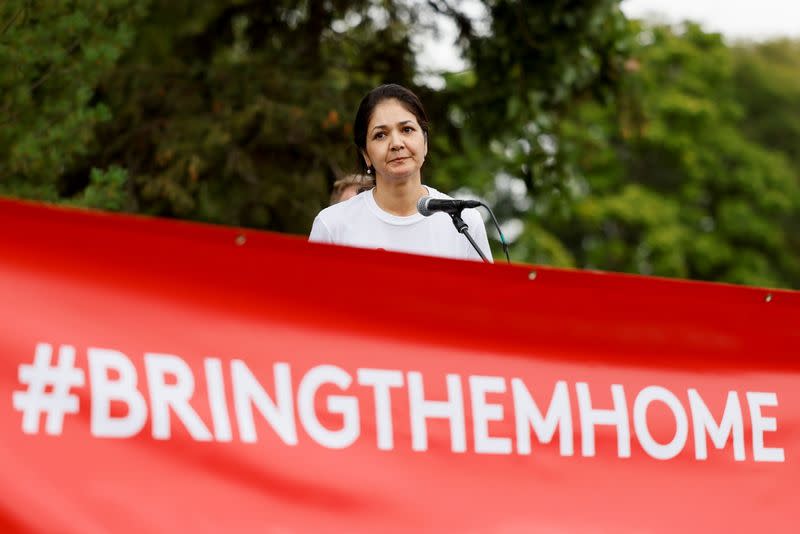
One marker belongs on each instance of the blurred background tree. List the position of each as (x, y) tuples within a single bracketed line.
[(601, 142), (670, 182), (53, 56)]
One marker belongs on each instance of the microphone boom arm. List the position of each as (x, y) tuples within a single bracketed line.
[(463, 228)]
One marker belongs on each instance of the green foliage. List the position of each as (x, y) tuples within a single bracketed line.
[(53, 55), (767, 86), (534, 62), (675, 187), (240, 112), (106, 190)]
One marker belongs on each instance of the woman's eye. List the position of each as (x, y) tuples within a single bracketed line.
[(408, 129), (379, 135)]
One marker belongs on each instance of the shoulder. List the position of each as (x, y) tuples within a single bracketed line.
[(435, 193), (332, 223), (343, 210)]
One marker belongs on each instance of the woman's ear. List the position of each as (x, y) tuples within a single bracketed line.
[(366, 159)]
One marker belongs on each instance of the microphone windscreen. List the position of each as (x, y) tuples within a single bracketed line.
[(422, 206)]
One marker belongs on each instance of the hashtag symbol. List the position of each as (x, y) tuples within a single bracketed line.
[(48, 389)]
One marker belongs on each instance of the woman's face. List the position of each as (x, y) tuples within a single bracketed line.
[(396, 145)]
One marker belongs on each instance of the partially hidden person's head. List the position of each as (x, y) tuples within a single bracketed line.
[(349, 186), (391, 133)]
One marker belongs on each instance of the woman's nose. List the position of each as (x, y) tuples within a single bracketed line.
[(396, 142)]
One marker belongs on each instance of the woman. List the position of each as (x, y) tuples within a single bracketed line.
[(391, 133)]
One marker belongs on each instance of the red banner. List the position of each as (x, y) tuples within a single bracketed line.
[(167, 376)]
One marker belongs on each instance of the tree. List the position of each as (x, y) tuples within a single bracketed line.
[(53, 55), (239, 112), (610, 144), (767, 86), (667, 182)]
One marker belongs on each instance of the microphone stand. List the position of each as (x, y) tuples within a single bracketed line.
[(463, 228)]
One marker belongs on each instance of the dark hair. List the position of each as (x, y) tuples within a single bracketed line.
[(406, 97)]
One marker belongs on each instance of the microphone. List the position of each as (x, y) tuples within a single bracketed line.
[(427, 206)]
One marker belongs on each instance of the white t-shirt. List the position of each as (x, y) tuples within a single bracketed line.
[(360, 222)]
